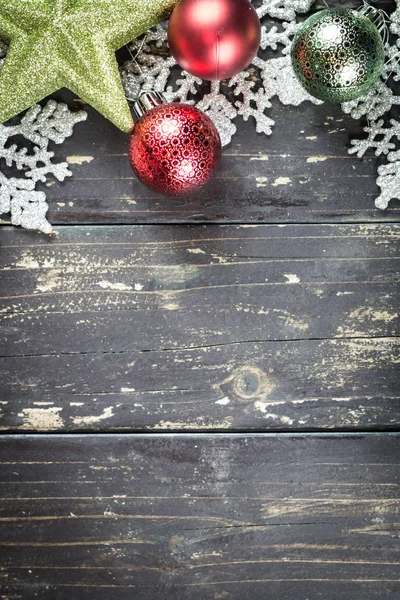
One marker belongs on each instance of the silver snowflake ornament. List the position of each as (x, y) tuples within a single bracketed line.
[(40, 126)]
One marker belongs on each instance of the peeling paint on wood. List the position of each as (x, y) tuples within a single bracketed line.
[(79, 160), (90, 420), (40, 419), (281, 181), (109, 285), (315, 159)]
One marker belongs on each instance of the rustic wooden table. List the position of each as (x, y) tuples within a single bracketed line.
[(199, 398)]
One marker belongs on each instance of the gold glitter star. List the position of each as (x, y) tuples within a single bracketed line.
[(71, 43)]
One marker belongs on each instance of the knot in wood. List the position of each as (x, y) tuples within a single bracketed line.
[(246, 384)]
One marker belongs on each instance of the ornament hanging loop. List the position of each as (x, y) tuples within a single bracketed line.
[(144, 88), (379, 18)]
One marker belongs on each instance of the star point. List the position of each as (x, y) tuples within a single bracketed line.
[(72, 44)]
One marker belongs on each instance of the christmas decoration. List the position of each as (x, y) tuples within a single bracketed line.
[(154, 69), (174, 148), (337, 54), (53, 123), (214, 39), (55, 44)]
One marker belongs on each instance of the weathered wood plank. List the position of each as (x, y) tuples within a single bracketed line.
[(200, 516), (233, 327), (351, 384), (302, 173)]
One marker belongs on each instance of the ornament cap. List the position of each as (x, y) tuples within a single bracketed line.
[(147, 101)]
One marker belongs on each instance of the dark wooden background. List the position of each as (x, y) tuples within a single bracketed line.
[(200, 398), (200, 516)]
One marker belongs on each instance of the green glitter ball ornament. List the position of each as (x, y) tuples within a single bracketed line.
[(337, 55)]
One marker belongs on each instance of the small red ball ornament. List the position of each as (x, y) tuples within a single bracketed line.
[(174, 148), (214, 39)]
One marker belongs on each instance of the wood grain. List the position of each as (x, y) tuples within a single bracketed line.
[(172, 327), (199, 328), (202, 516)]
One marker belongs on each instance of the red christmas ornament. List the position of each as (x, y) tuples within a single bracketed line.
[(214, 39), (174, 148)]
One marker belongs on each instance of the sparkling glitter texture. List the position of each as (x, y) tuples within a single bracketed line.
[(52, 123), (59, 43), (337, 55), (174, 149)]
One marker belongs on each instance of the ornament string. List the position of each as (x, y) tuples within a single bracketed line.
[(144, 88), (379, 18)]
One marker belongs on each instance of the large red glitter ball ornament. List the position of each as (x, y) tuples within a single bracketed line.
[(174, 148), (214, 39)]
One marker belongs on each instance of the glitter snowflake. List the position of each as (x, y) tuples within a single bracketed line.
[(39, 126), (152, 67), (383, 134)]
